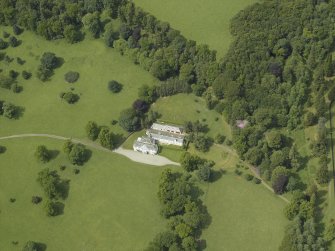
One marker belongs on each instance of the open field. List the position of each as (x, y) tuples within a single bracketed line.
[(112, 203), (245, 216), (206, 22), (45, 112)]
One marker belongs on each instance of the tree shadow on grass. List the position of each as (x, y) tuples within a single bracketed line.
[(41, 246), (53, 154), (88, 155), (59, 208), (202, 245), (60, 62), (3, 149), (64, 188), (19, 110), (303, 161), (216, 175), (320, 199), (119, 139)]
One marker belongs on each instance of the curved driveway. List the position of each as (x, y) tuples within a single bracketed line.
[(154, 160)]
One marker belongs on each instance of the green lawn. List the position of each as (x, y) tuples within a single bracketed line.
[(187, 107), (45, 112), (112, 203), (245, 216), (206, 22)]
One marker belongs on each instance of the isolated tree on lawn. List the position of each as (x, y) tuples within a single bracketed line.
[(42, 154)]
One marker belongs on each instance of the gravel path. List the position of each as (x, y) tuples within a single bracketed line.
[(154, 160)]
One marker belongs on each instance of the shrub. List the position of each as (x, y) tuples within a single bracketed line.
[(248, 177), (219, 139), (13, 41), (17, 30), (238, 172), (16, 88), (2, 56), (310, 119), (12, 200), (76, 171), (70, 97), (71, 76), (13, 74), (9, 110), (44, 73), (106, 138), (114, 86), (256, 180), (36, 199), (20, 61), (62, 167), (26, 75), (31, 246), (92, 130), (50, 208), (3, 44)]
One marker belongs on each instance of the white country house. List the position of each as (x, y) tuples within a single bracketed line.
[(145, 145)]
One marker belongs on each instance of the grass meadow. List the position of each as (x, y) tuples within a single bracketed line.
[(112, 203), (245, 216), (45, 112), (206, 22)]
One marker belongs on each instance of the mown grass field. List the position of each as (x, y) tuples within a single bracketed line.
[(45, 112), (112, 204), (206, 22), (245, 216)]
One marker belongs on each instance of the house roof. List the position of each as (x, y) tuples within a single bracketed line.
[(165, 135), (146, 144), (165, 127)]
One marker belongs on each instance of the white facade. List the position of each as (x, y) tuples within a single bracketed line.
[(145, 145)]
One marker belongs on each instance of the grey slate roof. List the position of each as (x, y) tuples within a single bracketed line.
[(165, 135), (167, 128)]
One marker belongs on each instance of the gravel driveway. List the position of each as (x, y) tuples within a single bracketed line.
[(148, 159)]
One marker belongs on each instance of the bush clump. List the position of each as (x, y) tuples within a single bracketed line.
[(71, 76), (16, 88), (26, 75), (256, 180), (3, 44), (36, 199), (70, 97), (248, 177), (114, 86)]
